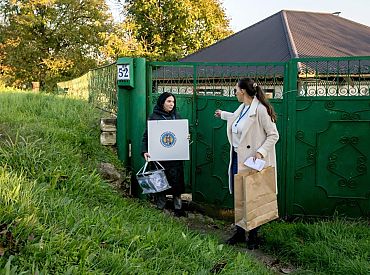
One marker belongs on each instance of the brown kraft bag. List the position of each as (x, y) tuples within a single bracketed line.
[(255, 198)]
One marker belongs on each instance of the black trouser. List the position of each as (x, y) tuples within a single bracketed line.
[(233, 168), (160, 200), (252, 234)]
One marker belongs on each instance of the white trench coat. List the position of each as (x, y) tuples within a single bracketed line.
[(259, 135)]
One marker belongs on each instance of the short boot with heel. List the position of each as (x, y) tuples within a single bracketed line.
[(238, 237), (253, 241)]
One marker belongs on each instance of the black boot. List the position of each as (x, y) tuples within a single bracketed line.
[(238, 237), (179, 213), (253, 241)]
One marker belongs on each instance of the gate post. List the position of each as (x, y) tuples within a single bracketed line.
[(290, 109), (124, 87), (131, 113), (138, 113)]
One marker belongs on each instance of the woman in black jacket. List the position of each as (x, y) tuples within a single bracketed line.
[(174, 169)]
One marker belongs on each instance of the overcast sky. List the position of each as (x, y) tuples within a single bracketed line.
[(244, 13)]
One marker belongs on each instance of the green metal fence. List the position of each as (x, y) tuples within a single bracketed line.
[(98, 86)]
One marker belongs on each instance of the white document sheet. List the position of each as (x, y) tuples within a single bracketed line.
[(257, 164), (168, 139)]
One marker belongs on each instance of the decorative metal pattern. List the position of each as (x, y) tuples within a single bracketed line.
[(173, 79), (345, 158), (348, 179), (225, 152), (310, 155), (345, 114), (220, 80), (331, 152), (215, 79), (209, 154), (334, 77)]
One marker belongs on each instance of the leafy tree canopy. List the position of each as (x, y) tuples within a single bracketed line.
[(50, 40), (55, 40), (171, 29)]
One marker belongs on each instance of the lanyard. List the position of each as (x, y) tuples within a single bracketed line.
[(242, 115)]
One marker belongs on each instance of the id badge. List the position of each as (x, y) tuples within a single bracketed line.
[(234, 129)]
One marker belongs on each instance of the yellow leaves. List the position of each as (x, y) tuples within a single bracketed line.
[(171, 29), (42, 2), (31, 5), (11, 42), (57, 65), (121, 42), (157, 38)]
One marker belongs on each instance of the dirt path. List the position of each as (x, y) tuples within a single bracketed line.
[(223, 230)]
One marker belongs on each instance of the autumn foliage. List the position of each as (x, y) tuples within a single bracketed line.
[(55, 40)]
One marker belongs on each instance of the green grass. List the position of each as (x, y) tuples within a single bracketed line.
[(333, 246), (58, 216)]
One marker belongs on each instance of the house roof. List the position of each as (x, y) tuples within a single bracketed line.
[(289, 34)]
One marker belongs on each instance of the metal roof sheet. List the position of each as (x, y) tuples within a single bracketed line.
[(289, 34)]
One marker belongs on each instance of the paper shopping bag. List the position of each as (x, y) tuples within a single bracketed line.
[(239, 195), (259, 199)]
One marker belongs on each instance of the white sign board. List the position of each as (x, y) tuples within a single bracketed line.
[(123, 72), (168, 139)]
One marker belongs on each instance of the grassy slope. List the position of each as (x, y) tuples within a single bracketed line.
[(58, 216), (333, 246)]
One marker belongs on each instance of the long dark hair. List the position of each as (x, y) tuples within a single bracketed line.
[(253, 89)]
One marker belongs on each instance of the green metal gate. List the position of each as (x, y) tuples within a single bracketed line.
[(323, 108), (200, 89), (328, 133)]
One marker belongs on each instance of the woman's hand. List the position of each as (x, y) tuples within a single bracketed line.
[(146, 156), (257, 156), (218, 113)]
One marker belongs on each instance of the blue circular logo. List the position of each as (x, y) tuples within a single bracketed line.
[(168, 139)]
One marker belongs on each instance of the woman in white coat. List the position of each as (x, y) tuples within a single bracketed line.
[(252, 132)]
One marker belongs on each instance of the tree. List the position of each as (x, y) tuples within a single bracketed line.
[(171, 29), (50, 40), (121, 41)]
